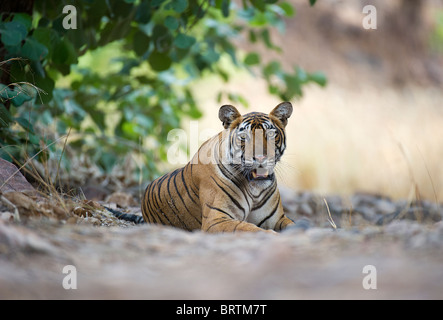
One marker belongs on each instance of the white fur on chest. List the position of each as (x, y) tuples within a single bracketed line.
[(264, 208)]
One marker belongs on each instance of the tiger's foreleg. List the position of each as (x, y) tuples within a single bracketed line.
[(278, 221), (215, 220), (283, 223)]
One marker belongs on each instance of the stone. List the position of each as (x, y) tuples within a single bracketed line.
[(12, 180)]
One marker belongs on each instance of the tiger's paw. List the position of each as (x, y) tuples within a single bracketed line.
[(302, 224)]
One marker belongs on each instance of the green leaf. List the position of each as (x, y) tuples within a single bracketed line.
[(25, 124), (47, 85), (24, 19), (259, 4), (20, 97), (287, 8), (273, 89), (272, 68), (179, 6), (143, 13), (184, 41), (225, 5), (34, 50), (13, 33), (99, 118), (5, 116), (252, 36), (195, 113), (224, 75), (46, 36), (120, 8), (312, 2), (265, 35), (252, 59), (319, 78), (17, 95), (171, 23), (6, 93), (301, 75), (162, 38), (156, 3), (210, 55), (107, 160), (64, 53), (219, 96), (140, 43), (159, 61), (293, 87), (115, 29)]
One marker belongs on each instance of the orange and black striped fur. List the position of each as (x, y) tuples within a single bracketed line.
[(230, 184)]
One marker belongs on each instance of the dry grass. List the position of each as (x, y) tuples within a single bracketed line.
[(382, 141), (361, 132), (342, 139), (49, 199)]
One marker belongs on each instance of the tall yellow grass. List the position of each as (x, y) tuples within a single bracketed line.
[(347, 139)]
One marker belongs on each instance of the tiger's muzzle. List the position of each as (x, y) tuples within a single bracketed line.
[(262, 168)]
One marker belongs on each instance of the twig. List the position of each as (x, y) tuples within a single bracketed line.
[(6, 181), (21, 90), (330, 220), (60, 160), (430, 177), (9, 60)]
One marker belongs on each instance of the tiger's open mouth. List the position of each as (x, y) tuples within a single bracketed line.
[(260, 174)]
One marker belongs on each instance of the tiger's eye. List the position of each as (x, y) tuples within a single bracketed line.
[(270, 134), (242, 135)]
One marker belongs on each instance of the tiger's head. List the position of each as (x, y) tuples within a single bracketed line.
[(256, 140)]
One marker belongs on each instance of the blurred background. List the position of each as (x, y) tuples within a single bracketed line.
[(378, 124), (93, 104)]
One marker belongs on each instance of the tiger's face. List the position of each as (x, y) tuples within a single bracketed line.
[(256, 140)]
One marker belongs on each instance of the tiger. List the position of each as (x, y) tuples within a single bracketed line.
[(230, 184)]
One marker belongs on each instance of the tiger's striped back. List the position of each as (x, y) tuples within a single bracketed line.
[(173, 199)]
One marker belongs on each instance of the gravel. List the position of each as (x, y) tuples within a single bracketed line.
[(403, 240)]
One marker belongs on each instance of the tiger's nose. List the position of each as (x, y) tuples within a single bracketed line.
[(260, 158)]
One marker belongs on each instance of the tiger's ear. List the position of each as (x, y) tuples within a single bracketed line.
[(227, 114), (282, 112)]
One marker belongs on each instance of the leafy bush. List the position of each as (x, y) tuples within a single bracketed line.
[(157, 48)]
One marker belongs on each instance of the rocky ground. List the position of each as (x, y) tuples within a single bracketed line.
[(324, 257)]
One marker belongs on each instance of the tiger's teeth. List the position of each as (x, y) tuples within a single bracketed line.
[(261, 172)]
